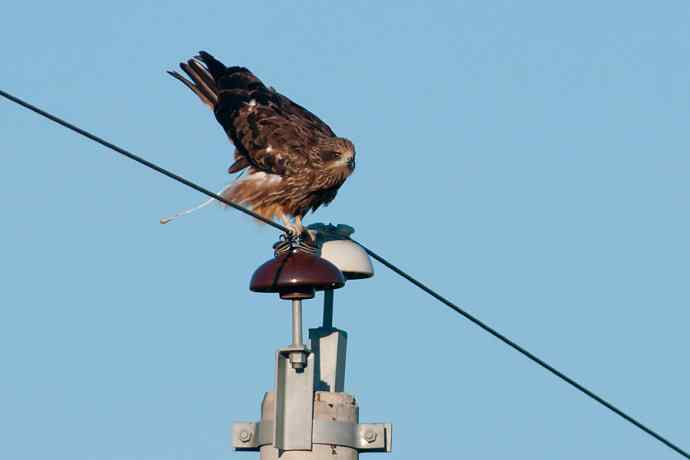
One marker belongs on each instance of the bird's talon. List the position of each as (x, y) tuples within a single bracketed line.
[(297, 232)]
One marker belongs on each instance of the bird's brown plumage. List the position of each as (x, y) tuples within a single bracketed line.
[(292, 161)]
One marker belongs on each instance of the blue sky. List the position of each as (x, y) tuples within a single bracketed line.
[(530, 160)]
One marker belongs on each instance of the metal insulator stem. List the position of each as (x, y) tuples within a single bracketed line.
[(297, 322)]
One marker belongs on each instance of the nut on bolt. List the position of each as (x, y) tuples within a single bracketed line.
[(245, 436), (370, 436)]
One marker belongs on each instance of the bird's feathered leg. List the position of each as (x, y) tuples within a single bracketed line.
[(295, 229), (306, 235), (298, 225)]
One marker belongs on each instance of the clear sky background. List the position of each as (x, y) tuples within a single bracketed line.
[(530, 160)]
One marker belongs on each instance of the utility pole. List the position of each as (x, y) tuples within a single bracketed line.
[(308, 415)]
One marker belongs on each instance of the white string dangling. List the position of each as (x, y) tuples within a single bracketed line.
[(166, 220)]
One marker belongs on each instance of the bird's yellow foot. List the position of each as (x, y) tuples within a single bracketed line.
[(297, 230)]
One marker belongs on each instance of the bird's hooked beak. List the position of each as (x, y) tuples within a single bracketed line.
[(351, 163)]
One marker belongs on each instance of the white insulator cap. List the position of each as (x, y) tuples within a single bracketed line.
[(335, 247)]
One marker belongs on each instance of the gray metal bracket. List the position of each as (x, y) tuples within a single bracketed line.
[(330, 348), (294, 406), (365, 437)]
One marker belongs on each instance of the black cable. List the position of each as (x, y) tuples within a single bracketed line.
[(526, 353), (371, 253), (138, 159)]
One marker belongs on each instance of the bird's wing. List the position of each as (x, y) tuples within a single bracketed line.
[(311, 121), (271, 133), (271, 140)]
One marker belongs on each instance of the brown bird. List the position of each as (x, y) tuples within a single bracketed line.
[(292, 161)]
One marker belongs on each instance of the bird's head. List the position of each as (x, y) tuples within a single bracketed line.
[(338, 153)]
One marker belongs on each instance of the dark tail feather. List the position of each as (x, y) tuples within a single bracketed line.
[(202, 82), (229, 78), (215, 67), (204, 75), (199, 82), (191, 86), (209, 78)]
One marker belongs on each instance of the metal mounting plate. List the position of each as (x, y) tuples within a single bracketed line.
[(372, 437)]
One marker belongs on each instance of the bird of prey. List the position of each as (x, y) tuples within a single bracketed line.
[(291, 161)]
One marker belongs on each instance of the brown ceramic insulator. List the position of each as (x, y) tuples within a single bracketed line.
[(296, 275)]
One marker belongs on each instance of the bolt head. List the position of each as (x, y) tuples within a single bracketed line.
[(298, 359), (245, 436), (370, 436)]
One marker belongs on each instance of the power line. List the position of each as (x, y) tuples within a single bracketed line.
[(525, 352), (141, 160), (371, 253)]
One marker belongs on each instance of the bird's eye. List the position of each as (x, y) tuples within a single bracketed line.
[(329, 155)]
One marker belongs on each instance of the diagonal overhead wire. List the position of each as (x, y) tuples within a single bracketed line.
[(375, 256), (141, 160), (525, 352)]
